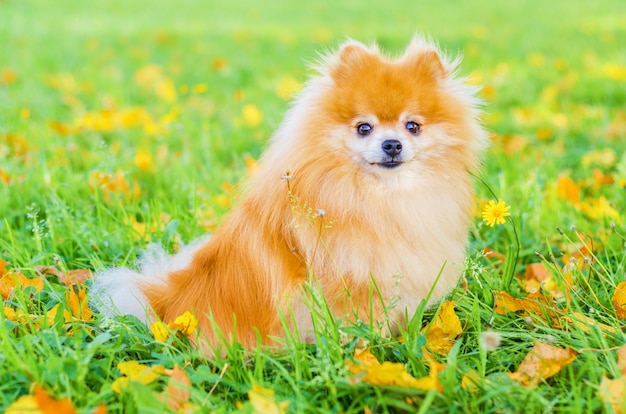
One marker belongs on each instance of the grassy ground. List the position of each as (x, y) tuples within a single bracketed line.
[(123, 123)]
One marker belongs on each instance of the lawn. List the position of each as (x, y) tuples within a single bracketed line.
[(125, 123)]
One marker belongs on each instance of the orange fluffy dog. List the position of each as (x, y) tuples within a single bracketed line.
[(365, 187)]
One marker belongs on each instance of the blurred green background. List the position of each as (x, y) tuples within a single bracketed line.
[(200, 84)]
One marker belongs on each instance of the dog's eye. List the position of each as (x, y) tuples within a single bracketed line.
[(364, 129), (413, 127)]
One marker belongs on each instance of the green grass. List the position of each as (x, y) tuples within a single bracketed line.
[(555, 77)]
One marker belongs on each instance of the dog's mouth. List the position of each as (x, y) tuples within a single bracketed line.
[(388, 165)]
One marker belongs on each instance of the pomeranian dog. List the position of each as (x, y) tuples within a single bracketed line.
[(364, 193)]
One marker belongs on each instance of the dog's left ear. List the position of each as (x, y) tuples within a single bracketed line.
[(425, 57), (351, 55), (352, 52)]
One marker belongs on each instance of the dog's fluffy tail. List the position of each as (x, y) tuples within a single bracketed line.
[(117, 291)]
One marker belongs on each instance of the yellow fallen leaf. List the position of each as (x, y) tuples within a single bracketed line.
[(103, 120), (585, 323), (513, 144), (68, 278), (178, 392), (470, 381), (535, 275), (505, 303), (185, 323), (133, 117), (604, 157), (160, 331), (10, 314), (17, 144), (600, 179), (368, 369), (599, 208), (26, 404), (263, 401), (611, 392), (619, 300), (8, 77), (50, 405), (11, 281), (133, 371), (31, 320), (568, 190), (5, 177), (442, 332), (542, 362), (113, 184), (78, 304)]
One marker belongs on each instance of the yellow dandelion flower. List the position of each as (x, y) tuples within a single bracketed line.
[(287, 87), (143, 160), (494, 213), (252, 115)]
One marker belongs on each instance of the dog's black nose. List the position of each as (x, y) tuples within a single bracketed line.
[(392, 147)]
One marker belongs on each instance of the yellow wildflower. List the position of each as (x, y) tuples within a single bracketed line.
[(494, 213)]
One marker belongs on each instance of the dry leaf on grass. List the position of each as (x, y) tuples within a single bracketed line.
[(43, 403), (9, 281), (568, 190), (619, 300), (540, 307), (185, 323), (611, 391), (24, 404), (178, 392), (133, 371), (50, 405), (535, 275), (442, 332), (533, 303), (263, 401), (368, 369), (542, 362), (69, 278), (538, 277), (585, 323), (78, 304)]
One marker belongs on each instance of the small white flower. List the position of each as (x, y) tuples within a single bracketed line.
[(287, 176), (490, 340)]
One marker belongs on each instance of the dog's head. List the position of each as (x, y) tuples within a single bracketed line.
[(406, 115)]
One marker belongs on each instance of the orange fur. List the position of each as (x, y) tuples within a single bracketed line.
[(401, 227)]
